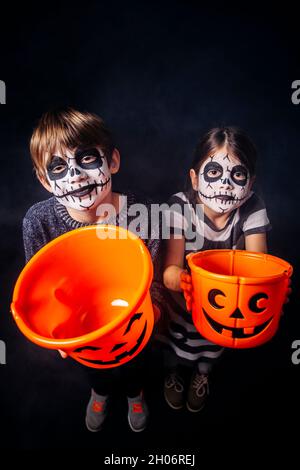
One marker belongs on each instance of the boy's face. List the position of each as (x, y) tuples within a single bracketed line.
[(223, 182), (79, 179)]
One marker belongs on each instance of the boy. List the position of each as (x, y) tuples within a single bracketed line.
[(74, 159)]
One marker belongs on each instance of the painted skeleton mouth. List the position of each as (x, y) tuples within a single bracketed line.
[(235, 332), (85, 190), (223, 198)]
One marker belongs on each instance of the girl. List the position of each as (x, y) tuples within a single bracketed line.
[(234, 217)]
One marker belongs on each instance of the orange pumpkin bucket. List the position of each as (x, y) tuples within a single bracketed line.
[(87, 293), (237, 295)]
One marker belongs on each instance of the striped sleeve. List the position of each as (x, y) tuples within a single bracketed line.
[(255, 218)]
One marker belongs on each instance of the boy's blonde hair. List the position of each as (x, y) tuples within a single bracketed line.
[(68, 128)]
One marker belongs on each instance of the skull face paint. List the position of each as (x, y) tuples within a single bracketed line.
[(80, 180), (223, 182)]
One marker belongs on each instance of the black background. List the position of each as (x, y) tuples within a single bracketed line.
[(159, 73)]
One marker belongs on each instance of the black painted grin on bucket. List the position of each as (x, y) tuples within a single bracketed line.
[(235, 332)]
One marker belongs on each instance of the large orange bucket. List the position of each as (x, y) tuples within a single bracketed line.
[(87, 293), (237, 295)]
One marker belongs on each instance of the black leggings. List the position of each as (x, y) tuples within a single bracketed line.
[(128, 378)]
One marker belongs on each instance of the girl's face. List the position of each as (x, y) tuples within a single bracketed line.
[(223, 182)]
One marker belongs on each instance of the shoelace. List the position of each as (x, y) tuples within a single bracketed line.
[(173, 381), (199, 383)]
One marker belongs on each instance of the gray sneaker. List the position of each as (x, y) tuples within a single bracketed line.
[(198, 392), (137, 413), (96, 412), (173, 391)]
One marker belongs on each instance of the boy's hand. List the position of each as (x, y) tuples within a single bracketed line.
[(62, 353), (187, 287), (161, 321), (157, 313), (288, 291)]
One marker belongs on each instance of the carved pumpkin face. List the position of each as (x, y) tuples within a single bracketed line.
[(239, 316), (119, 347), (238, 295)]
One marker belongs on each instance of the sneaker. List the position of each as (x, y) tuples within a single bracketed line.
[(198, 392), (137, 413), (96, 412), (173, 391)]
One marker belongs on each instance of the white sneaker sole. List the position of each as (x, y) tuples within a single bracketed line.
[(134, 429), (194, 411), (92, 429), (171, 404)]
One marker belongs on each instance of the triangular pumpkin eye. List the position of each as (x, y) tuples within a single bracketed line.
[(254, 302), (212, 297)]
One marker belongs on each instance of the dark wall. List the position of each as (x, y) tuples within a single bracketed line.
[(159, 73)]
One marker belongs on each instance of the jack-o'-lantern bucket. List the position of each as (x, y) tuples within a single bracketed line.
[(87, 293), (237, 295)]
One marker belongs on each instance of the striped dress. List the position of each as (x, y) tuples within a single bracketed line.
[(184, 342)]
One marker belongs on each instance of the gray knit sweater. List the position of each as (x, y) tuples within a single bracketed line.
[(49, 219)]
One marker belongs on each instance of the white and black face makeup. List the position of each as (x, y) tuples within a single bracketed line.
[(80, 180), (223, 182)]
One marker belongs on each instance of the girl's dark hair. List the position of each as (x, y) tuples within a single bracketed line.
[(238, 144)]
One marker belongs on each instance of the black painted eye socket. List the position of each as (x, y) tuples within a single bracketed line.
[(212, 298), (253, 302), (239, 175), (212, 172), (89, 159), (58, 169)]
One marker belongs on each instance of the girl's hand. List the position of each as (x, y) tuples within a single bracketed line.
[(62, 353), (187, 287)]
